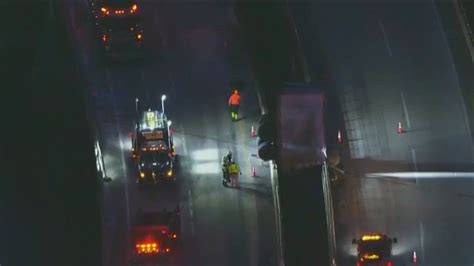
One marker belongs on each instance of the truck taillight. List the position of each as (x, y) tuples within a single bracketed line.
[(147, 248), (133, 9)]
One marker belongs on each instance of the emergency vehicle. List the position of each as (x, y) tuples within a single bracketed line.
[(155, 235), (374, 250), (153, 148)]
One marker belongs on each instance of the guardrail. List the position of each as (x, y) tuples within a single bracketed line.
[(329, 214)]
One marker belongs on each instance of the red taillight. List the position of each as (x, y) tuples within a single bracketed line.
[(389, 263), (358, 264), (164, 232)]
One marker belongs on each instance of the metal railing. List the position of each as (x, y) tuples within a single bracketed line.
[(329, 214)]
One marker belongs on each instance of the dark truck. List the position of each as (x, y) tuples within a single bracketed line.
[(156, 165), (155, 234), (122, 37), (153, 149)]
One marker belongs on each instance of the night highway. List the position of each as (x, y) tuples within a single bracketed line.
[(397, 79), (392, 68), (191, 66)]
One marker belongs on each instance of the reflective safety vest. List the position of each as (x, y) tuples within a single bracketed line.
[(234, 168), (234, 99)]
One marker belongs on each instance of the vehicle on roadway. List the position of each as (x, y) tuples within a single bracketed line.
[(374, 250), (117, 8), (155, 234), (103, 9), (122, 37), (153, 148)]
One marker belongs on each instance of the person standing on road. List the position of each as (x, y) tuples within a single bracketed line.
[(234, 104), (234, 172)]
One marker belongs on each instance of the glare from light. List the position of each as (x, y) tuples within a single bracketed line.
[(169, 122), (323, 150), (424, 175), (205, 155), (163, 97), (206, 168)]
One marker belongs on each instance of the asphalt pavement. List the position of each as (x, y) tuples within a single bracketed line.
[(391, 64), (189, 47)]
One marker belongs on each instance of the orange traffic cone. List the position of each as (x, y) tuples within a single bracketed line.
[(254, 171), (252, 132), (400, 128), (339, 137)]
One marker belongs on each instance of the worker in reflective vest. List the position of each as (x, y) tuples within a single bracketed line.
[(234, 171), (234, 103)]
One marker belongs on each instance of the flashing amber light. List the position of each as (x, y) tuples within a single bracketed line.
[(142, 174), (174, 236), (104, 38), (105, 10), (139, 36), (134, 8), (170, 173), (370, 237), (147, 248), (371, 256)]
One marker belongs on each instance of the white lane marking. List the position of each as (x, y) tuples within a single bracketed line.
[(413, 158), (405, 109), (122, 155), (191, 211), (422, 241), (387, 44), (183, 141)]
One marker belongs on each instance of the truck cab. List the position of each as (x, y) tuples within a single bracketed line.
[(155, 234), (153, 148)]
